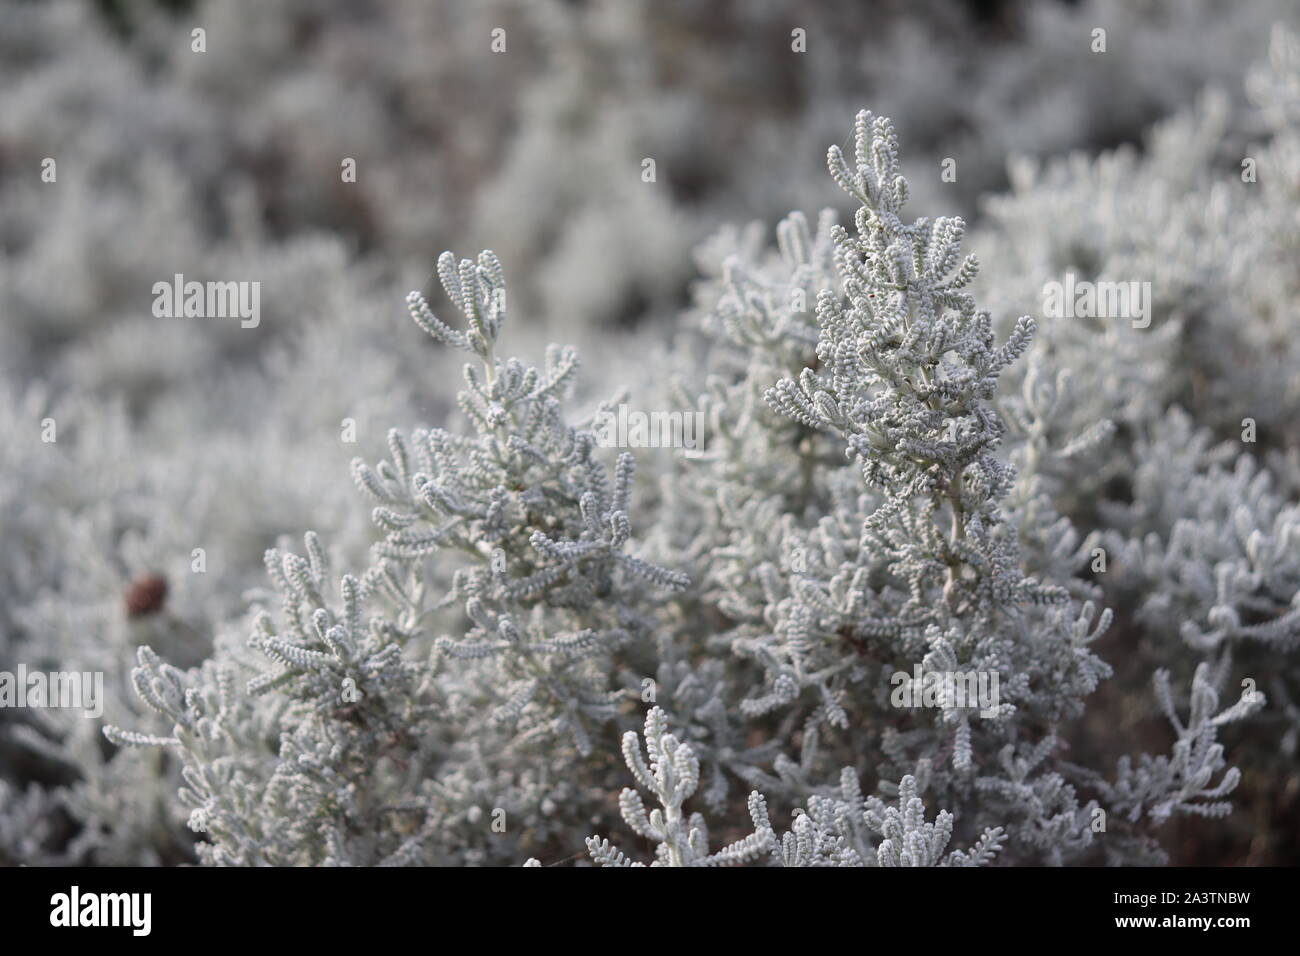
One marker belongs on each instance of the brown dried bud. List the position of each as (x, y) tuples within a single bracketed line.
[(146, 595)]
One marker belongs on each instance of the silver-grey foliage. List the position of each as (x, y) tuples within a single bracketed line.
[(858, 515), (902, 469)]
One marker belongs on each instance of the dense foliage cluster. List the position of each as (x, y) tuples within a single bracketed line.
[(537, 643)]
